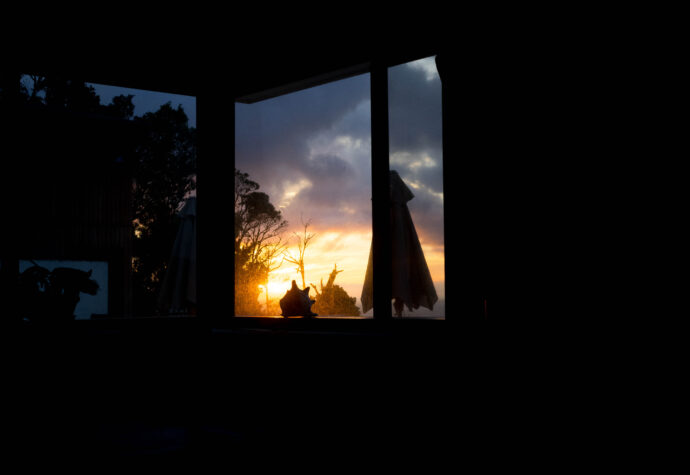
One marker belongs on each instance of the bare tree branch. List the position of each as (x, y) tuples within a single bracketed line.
[(302, 243)]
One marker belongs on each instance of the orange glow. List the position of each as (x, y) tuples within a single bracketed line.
[(350, 251), (276, 288)]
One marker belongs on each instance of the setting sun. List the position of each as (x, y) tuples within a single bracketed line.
[(276, 288)]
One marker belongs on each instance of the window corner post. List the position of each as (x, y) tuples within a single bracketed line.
[(381, 250)]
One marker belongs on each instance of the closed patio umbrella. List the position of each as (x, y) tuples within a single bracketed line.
[(178, 292), (412, 285)]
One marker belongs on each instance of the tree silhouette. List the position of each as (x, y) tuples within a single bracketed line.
[(164, 174), (164, 166), (58, 92), (332, 299), (258, 242), (302, 243), (271, 264), (69, 94)]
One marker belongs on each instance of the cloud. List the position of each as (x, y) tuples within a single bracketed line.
[(416, 143), (336, 198), (426, 209), (318, 136), (426, 65), (275, 138), (280, 126), (311, 150), (330, 167), (414, 110)]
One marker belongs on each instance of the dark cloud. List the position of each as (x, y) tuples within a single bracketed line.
[(414, 104), (310, 136), (280, 127), (416, 141), (272, 136), (329, 168), (426, 210), (357, 123), (336, 195)]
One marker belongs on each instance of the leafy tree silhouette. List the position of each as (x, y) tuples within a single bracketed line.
[(164, 174), (164, 166), (258, 242)]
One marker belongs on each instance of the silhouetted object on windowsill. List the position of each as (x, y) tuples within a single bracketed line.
[(178, 292), (51, 296), (297, 302), (411, 281)]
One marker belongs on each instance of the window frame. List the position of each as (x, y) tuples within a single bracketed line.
[(378, 69), (212, 125)]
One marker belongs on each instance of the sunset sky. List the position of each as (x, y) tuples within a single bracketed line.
[(310, 151)]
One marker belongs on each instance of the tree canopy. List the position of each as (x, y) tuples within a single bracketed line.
[(164, 174), (258, 242), (164, 167)]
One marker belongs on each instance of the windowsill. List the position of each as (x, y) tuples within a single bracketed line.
[(255, 325), (330, 325), (337, 317)]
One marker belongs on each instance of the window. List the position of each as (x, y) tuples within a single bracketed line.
[(104, 181), (307, 158), (416, 155), (303, 199), (95, 189), (87, 280)]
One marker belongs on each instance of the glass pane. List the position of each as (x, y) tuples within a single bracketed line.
[(105, 185), (416, 163), (303, 199), (93, 291)]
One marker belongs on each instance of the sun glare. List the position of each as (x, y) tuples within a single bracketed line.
[(349, 251), (277, 287)]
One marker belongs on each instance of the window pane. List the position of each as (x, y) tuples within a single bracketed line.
[(104, 182), (416, 164), (93, 291), (303, 199)]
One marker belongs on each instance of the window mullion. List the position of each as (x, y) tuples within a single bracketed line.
[(381, 250)]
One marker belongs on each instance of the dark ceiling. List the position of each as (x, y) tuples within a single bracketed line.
[(244, 68)]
